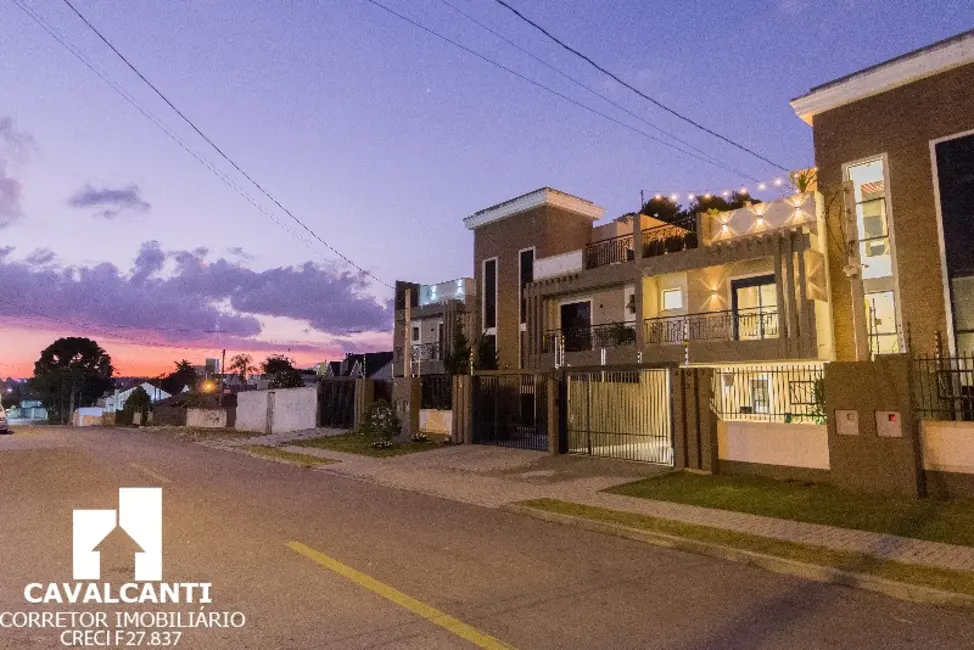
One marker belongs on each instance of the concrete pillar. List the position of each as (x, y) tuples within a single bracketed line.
[(407, 396), (554, 414), (640, 322), (874, 443), (364, 396), (694, 422), (462, 409), (805, 330), (780, 285), (637, 236)]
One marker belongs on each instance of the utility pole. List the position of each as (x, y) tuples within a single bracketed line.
[(407, 356)]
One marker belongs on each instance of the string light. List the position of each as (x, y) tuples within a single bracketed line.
[(761, 186)]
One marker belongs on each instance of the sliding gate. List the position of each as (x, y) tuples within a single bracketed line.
[(510, 409), (624, 414)]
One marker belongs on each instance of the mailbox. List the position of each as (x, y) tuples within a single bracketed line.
[(847, 422), (888, 424)]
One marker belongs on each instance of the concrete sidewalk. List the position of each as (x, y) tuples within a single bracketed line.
[(494, 477)]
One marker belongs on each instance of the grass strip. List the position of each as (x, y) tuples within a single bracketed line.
[(943, 579), (273, 453), (950, 521), (353, 443)]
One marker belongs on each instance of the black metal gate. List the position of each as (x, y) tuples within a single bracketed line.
[(511, 410), (624, 414), (336, 403)]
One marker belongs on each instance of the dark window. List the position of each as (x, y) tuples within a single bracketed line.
[(527, 277), (490, 294), (955, 174), (439, 332), (415, 334), (576, 326)]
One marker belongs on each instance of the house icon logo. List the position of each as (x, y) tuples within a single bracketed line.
[(139, 515)]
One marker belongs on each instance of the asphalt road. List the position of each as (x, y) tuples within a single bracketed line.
[(390, 556)]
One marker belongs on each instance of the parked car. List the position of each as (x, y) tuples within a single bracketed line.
[(3, 420)]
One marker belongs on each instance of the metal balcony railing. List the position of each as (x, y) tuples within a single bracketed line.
[(741, 325), (577, 339), (427, 352), (672, 238), (609, 251)]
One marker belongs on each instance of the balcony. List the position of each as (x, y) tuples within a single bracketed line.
[(670, 238), (425, 352), (580, 339), (609, 251), (742, 325)]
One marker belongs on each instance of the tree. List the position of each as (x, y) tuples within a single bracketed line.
[(663, 208), (241, 365), (457, 360), (486, 354), (287, 378), (184, 375), (671, 211), (275, 363), (72, 371), (138, 402)]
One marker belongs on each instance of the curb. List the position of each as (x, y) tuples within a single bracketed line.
[(891, 588)]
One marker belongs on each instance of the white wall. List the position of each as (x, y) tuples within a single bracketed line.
[(206, 418), (294, 409), (548, 267), (251, 410), (948, 446), (771, 443), (436, 421)]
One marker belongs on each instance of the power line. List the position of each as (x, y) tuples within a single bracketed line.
[(218, 149), (633, 88), (548, 89), (586, 87), (40, 21)]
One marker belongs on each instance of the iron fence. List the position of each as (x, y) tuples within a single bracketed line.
[(943, 387), (789, 394), (741, 325), (437, 392), (671, 238), (624, 414), (511, 410), (609, 251), (577, 339)]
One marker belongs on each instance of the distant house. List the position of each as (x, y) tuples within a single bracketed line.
[(371, 365), (116, 401)]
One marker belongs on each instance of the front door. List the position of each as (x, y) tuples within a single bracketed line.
[(576, 326), (754, 304)]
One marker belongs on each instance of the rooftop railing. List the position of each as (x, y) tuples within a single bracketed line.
[(609, 251), (670, 238)]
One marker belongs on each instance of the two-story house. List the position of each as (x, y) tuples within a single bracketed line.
[(743, 285), (894, 146), (426, 319)]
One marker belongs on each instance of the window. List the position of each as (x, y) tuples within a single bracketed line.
[(526, 264), (490, 293), (439, 331), (761, 394), (415, 335), (881, 322), (576, 326), (869, 191), (672, 299), (955, 181), (754, 305)]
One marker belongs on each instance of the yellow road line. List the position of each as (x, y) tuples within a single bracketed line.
[(431, 614), (148, 472)]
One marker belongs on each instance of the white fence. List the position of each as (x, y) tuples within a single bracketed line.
[(772, 443)]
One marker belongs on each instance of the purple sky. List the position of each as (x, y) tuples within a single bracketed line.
[(378, 135)]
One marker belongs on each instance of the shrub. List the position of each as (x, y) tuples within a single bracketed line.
[(380, 422), (419, 437)]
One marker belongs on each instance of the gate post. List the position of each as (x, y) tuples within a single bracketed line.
[(407, 395), (694, 423), (462, 409), (554, 414), (364, 396)]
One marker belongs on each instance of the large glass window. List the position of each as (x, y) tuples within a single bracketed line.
[(955, 175), (490, 294), (869, 191), (881, 312), (576, 326), (527, 277)]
